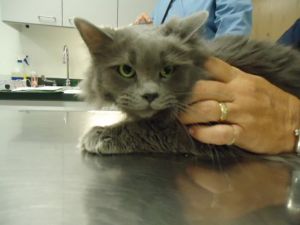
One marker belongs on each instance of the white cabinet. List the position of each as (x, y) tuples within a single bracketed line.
[(61, 12), (32, 11), (99, 12), (130, 9)]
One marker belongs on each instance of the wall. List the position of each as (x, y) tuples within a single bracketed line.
[(271, 18), (10, 48), (44, 45)]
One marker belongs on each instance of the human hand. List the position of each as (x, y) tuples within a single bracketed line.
[(261, 117), (143, 18), (210, 195)]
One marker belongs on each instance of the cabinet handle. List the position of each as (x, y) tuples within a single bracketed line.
[(71, 21), (48, 19)]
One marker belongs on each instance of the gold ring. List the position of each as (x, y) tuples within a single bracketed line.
[(233, 137), (224, 111)]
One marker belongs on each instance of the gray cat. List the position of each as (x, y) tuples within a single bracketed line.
[(148, 72)]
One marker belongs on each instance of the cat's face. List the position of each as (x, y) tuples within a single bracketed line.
[(143, 69)]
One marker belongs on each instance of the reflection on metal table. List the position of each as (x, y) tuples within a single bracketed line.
[(45, 179)]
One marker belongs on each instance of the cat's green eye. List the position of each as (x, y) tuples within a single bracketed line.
[(126, 71), (167, 71)]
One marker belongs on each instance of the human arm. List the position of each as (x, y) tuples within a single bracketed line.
[(155, 16), (233, 17), (143, 18), (261, 118)]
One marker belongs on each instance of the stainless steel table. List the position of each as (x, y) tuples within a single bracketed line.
[(45, 179)]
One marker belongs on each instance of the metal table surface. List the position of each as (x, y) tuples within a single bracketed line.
[(45, 179)]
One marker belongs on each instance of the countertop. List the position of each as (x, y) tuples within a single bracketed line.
[(59, 96), (45, 179)]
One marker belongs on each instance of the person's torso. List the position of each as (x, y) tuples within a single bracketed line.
[(183, 8)]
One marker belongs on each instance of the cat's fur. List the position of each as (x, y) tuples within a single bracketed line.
[(153, 127)]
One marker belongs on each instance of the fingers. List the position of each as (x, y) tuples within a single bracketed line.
[(211, 90), (204, 112), (220, 70), (144, 18), (220, 134), (201, 112)]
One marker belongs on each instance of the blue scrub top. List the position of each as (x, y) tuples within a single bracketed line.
[(292, 36), (225, 16)]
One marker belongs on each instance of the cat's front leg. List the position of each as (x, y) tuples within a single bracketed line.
[(104, 140), (92, 141), (140, 137)]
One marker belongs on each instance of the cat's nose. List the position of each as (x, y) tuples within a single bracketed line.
[(150, 96)]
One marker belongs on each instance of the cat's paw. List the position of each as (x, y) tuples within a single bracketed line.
[(97, 141)]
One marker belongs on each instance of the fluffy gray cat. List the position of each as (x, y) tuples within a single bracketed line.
[(148, 72)]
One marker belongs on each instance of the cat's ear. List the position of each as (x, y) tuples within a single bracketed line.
[(185, 28), (94, 37)]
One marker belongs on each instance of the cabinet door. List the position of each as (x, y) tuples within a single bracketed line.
[(99, 12), (33, 11), (130, 9)]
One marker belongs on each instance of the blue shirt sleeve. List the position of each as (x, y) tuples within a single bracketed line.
[(233, 17), (291, 36), (159, 11)]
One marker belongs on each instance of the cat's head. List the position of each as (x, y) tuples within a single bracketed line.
[(143, 69)]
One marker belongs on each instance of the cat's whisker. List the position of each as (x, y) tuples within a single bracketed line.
[(205, 150), (183, 93), (219, 162), (168, 99), (187, 109), (208, 151)]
